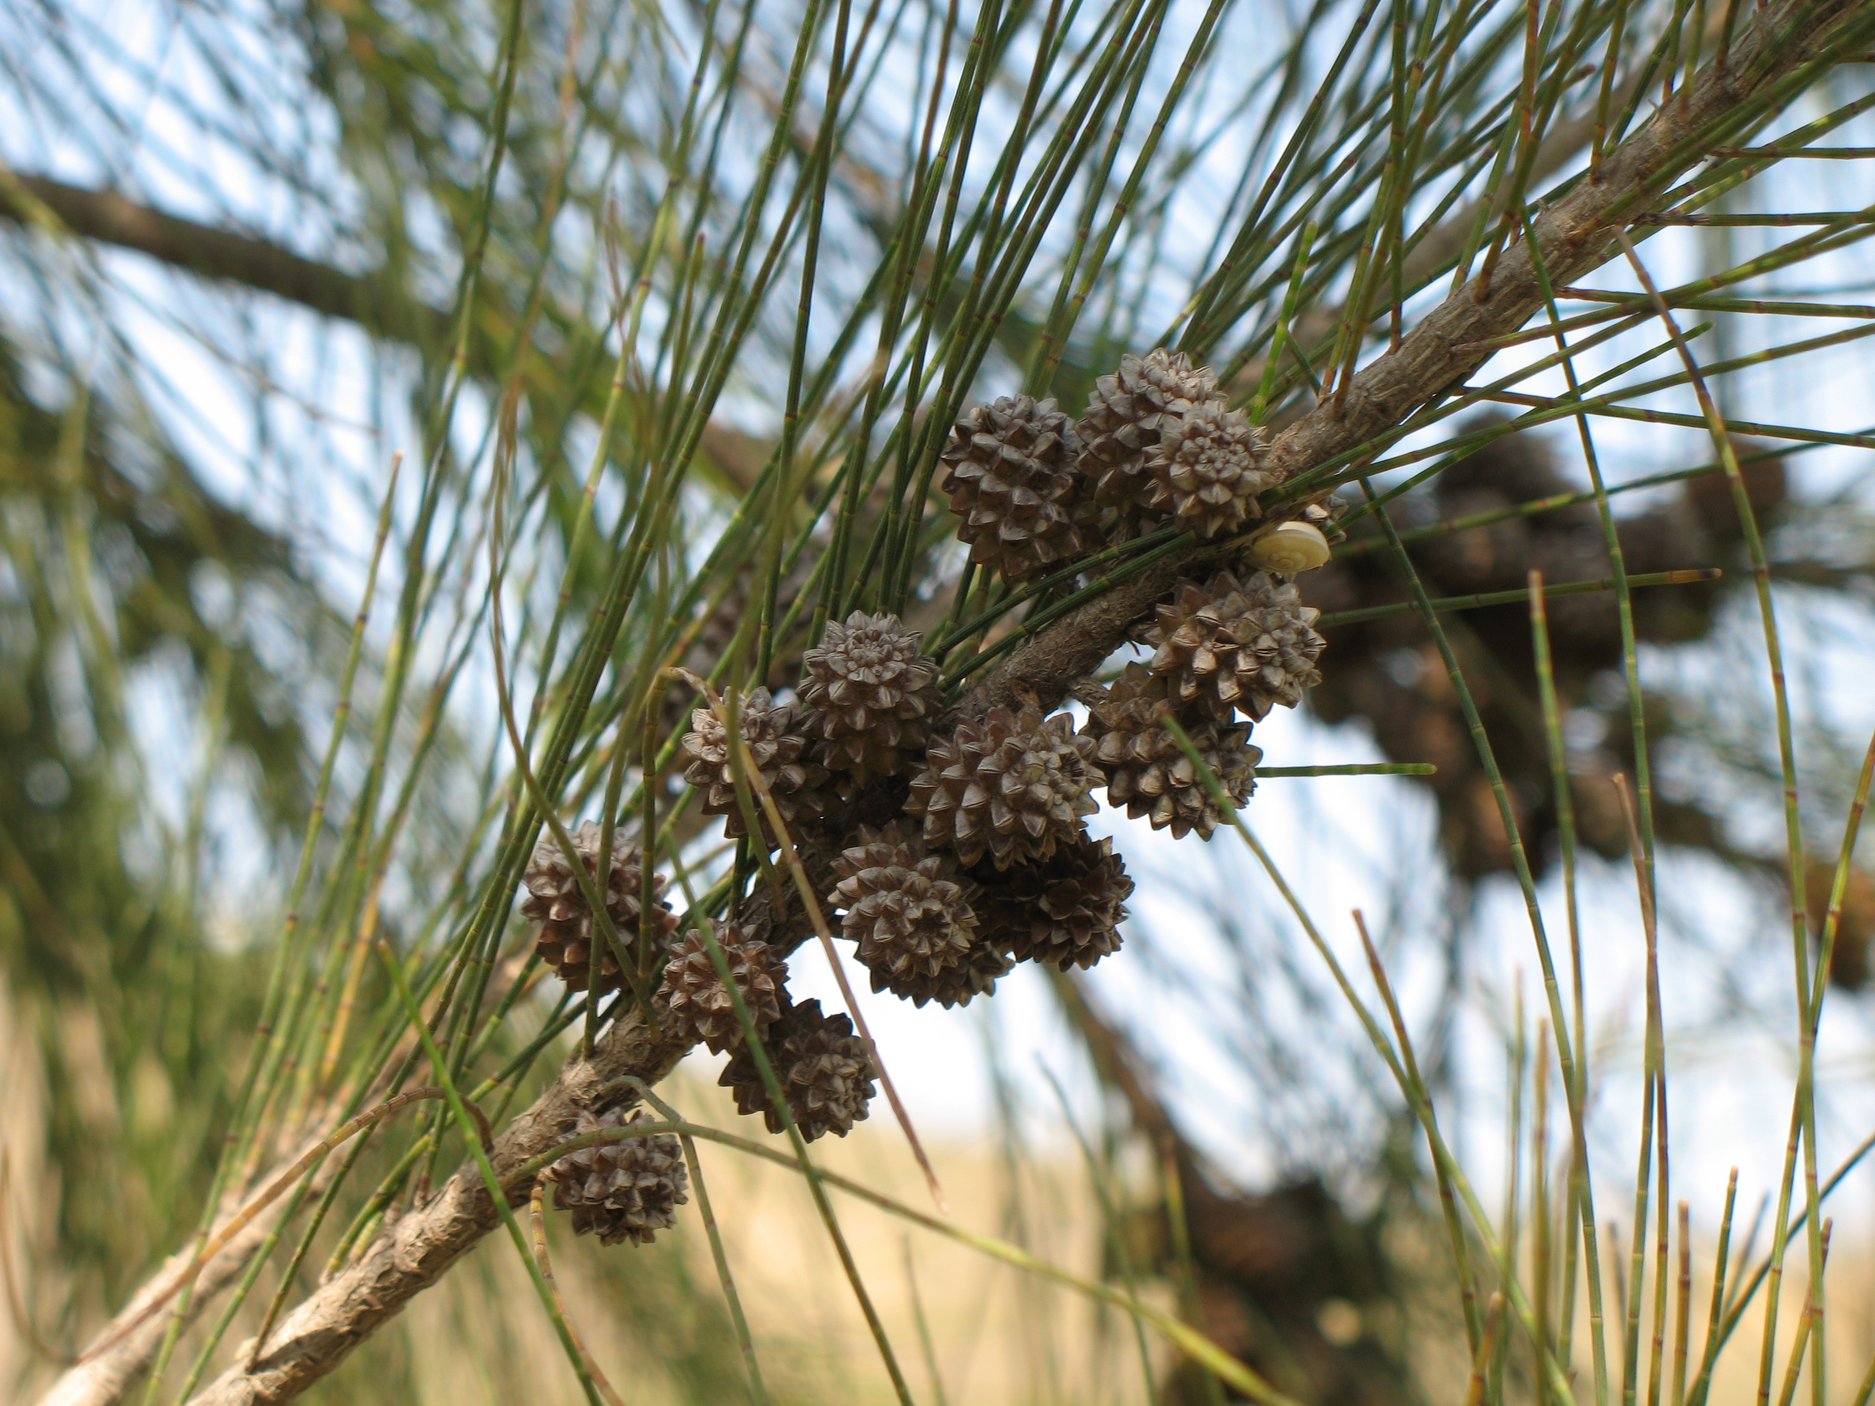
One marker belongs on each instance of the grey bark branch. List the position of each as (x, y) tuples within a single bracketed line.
[(1575, 234), (106, 1377), (377, 301), (420, 1248)]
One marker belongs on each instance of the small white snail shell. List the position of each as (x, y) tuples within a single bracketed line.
[(1290, 547)]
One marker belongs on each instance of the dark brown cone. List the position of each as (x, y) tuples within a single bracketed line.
[(1205, 473), (1149, 773), (1009, 468), (908, 910), (1230, 644), (869, 694), (777, 746), (1010, 786), (624, 1190), (1127, 417), (1066, 912), (566, 936), (700, 1005), (824, 1070), (957, 985)]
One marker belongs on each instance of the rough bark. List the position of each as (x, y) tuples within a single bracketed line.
[(420, 1248), (106, 1376), (1576, 235)]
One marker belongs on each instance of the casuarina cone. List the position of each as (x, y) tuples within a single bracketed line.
[(869, 694), (1009, 468), (825, 1073), (624, 1190), (567, 935), (1010, 786), (1233, 645), (699, 1004), (1150, 774), (777, 745)]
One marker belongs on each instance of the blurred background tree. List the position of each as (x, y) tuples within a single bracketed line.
[(328, 329)]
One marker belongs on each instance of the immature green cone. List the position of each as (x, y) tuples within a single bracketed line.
[(869, 694), (1150, 774), (699, 1004), (1011, 787), (1009, 468), (567, 935), (1128, 416), (777, 745), (822, 1066), (1066, 912), (1245, 645), (908, 910), (1205, 472), (624, 1190)]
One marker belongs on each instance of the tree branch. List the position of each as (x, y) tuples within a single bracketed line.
[(212, 252), (1575, 235), (352, 1305), (376, 301), (105, 1377)]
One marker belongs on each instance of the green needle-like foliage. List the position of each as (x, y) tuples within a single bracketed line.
[(416, 418)]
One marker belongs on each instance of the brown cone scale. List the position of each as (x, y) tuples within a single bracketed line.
[(1066, 913), (777, 746), (624, 1190), (1150, 774), (567, 936), (1009, 468), (699, 1005), (1011, 787), (1231, 645), (825, 1073), (869, 694), (1128, 417), (909, 911), (1206, 472)]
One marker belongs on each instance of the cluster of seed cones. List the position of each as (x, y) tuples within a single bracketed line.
[(976, 855), (1158, 445)]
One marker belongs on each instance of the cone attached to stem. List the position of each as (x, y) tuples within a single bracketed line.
[(776, 744), (1009, 468), (1147, 770), (1011, 787), (869, 695), (624, 1190), (824, 1070), (698, 1003), (1236, 646), (568, 936)]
